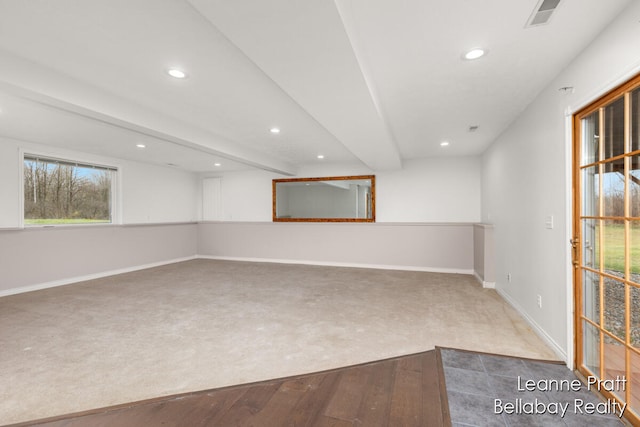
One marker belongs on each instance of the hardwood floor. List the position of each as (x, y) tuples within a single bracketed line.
[(403, 391)]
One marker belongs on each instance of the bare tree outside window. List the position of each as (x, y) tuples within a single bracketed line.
[(62, 192)]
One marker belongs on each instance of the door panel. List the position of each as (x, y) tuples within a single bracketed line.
[(607, 242)]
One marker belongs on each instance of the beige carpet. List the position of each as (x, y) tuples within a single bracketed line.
[(203, 324)]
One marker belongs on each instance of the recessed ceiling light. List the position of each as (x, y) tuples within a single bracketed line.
[(320, 156), (444, 143), (274, 130), (175, 72), (141, 146), (475, 53), (216, 164)]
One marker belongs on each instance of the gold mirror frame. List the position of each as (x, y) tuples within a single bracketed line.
[(371, 199)]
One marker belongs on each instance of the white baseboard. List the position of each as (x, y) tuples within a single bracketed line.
[(486, 285), (341, 264), (77, 279), (534, 325)]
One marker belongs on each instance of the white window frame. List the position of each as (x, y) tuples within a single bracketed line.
[(115, 186)]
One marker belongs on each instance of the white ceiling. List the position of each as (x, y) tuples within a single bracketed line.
[(369, 82)]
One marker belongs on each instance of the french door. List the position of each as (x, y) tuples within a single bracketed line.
[(607, 244)]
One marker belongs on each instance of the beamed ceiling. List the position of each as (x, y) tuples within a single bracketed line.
[(366, 82)]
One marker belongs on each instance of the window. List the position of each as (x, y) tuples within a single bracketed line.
[(65, 192)]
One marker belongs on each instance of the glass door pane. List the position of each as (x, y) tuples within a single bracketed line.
[(614, 129), (591, 296), (591, 348), (635, 120), (591, 138), (634, 252), (634, 384), (607, 227), (634, 300), (634, 187), (614, 364)]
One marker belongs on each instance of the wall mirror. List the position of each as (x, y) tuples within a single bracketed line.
[(328, 199)]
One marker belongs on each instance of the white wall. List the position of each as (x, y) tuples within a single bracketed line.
[(424, 190), (9, 183), (430, 190), (526, 178), (246, 195), (147, 193), (153, 194)]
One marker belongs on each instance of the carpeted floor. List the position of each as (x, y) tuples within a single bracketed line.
[(204, 324)]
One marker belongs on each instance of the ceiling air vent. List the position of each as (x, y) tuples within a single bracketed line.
[(542, 12)]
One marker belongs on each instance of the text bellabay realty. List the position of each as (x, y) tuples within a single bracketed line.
[(522, 406)]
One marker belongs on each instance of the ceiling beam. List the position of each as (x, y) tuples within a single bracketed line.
[(29, 80), (304, 48)]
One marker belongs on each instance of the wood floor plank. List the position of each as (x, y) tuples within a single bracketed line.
[(446, 413), (311, 405), (411, 363), (346, 400), (376, 402), (221, 402), (74, 423), (173, 413), (431, 390), (406, 400), (251, 402), (325, 421), (395, 392), (193, 410), (282, 403)]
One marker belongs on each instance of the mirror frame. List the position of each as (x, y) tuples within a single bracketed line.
[(330, 178)]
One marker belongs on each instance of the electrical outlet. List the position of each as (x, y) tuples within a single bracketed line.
[(539, 301), (548, 222), (509, 277)]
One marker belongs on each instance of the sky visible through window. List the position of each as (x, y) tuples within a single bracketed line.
[(58, 192)]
